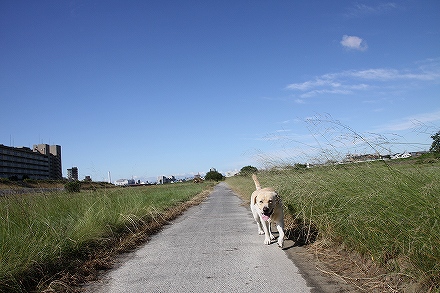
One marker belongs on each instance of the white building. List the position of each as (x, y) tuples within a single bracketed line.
[(124, 182), (163, 179), (401, 156)]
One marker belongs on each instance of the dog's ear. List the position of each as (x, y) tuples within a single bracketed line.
[(278, 198)]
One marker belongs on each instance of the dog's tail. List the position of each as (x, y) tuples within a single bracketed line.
[(257, 183)]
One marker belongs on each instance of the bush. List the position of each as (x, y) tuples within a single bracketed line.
[(30, 181), (298, 166), (435, 146), (214, 175), (73, 186), (5, 180), (248, 170)]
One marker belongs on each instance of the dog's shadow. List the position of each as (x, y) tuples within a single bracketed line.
[(300, 235), (297, 230)]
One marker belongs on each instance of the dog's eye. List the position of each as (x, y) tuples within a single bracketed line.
[(270, 201), (261, 201)]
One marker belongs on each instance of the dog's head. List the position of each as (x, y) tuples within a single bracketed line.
[(266, 200)]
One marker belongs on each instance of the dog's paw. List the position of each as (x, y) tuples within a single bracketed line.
[(267, 240), (261, 232), (280, 243), (271, 236)]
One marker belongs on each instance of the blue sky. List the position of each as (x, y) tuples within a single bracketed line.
[(148, 88)]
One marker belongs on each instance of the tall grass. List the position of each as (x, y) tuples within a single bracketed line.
[(38, 230), (389, 212)]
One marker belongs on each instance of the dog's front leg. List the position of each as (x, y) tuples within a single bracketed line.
[(267, 233), (280, 228), (260, 226), (257, 219), (269, 226)]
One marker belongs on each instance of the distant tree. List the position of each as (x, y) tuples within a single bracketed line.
[(298, 166), (214, 175), (435, 146), (248, 170)]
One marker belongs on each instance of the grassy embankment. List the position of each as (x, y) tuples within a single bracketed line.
[(42, 234), (388, 212)]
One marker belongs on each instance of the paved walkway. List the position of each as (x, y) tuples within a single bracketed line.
[(213, 247)]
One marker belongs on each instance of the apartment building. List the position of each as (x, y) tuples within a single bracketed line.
[(72, 174), (43, 161), (164, 180)]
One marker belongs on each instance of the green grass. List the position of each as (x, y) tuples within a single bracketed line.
[(389, 212), (38, 230)]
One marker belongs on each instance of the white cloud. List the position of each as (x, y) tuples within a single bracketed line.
[(361, 10), (352, 81), (416, 121), (325, 91), (353, 43), (308, 84), (389, 74), (326, 84), (380, 74)]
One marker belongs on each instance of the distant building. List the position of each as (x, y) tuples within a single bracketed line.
[(72, 174), (197, 178), (362, 158), (124, 182), (163, 180), (232, 173), (401, 156), (53, 152), (43, 161)]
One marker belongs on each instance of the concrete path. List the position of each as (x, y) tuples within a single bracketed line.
[(213, 247)]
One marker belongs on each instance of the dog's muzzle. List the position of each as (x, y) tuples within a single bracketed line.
[(266, 213)]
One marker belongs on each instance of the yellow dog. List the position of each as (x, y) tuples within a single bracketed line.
[(266, 206)]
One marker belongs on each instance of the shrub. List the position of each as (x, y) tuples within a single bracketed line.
[(73, 186), (214, 175), (435, 146), (30, 181), (248, 170)]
